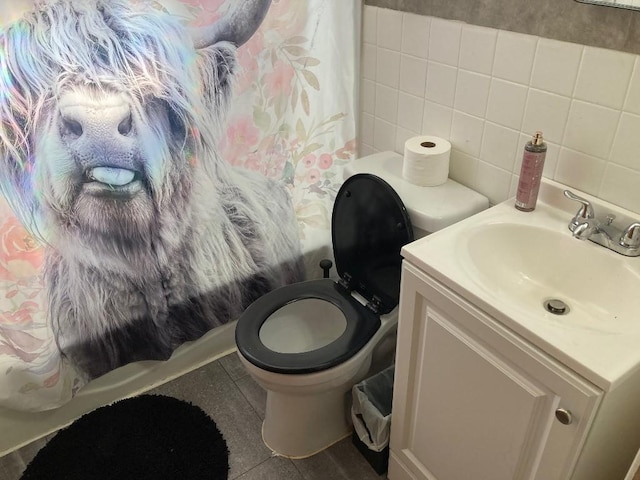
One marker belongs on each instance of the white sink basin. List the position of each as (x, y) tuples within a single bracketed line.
[(509, 263), (532, 265)]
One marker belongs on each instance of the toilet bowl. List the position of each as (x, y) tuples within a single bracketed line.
[(308, 343)]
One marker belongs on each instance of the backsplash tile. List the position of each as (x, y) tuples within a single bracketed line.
[(466, 132), (620, 186), (493, 181), (514, 56), (388, 68), (415, 35), (472, 93), (444, 41), (506, 103), (386, 103), (556, 66), (579, 170), (413, 75), (604, 77), (389, 29), (499, 146), (632, 103), (591, 128), (410, 112), (548, 109), (441, 83), (370, 26), (436, 120), (477, 49), (384, 135), (488, 90), (626, 145)]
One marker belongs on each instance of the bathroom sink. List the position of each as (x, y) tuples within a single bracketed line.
[(532, 265), (572, 298)]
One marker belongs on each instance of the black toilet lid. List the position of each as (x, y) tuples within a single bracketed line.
[(369, 226)]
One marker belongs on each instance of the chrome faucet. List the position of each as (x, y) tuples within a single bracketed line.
[(586, 226)]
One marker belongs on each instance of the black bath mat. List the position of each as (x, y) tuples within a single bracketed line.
[(146, 437)]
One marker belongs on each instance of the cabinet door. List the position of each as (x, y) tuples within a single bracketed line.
[(473, 401)]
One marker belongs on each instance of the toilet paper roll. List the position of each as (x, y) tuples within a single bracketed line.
[(426, 160)]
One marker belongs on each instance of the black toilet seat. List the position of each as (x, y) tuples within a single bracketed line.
[(369, 226), (361, 325)]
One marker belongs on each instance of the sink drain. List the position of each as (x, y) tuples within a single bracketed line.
[(556, 306)]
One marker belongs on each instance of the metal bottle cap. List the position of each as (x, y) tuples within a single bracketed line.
[(537, 138)]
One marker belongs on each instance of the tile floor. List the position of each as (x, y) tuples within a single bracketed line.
[(227, 393)]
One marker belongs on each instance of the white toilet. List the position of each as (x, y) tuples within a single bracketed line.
[(308, 343)]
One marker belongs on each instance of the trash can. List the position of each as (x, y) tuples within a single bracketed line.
[(371, 415)]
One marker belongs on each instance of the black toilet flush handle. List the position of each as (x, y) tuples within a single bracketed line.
[(326, 265)]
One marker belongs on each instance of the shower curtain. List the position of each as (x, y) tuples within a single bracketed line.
[(276, 153)]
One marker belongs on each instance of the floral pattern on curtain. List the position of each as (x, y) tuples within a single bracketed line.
[(291, 119)]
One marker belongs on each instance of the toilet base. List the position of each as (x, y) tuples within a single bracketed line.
[(299, 426)]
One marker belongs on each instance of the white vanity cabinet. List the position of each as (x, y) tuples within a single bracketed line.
[(474, 401)]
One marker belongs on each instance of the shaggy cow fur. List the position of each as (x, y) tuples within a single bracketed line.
[(107, 152)]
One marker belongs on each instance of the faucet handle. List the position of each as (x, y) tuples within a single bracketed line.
[(585, 212), (630, 238)]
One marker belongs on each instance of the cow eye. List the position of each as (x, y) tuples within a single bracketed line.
[(175, 123)]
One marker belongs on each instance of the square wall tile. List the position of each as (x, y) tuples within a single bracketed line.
[(436, 120), (472, 93), (555, 66), (513, 188), (620, 186), (388, 68), (415, 35), (604, 76), (370, 24), (477, 48), (546, 112), (366, 128), (632, 103), (441, 83), (367, 96), (506, 103), (384, 135), (492, 182), (386, 103), (626, 145), (579, 170), (463, 168), (410, 110), (402, 136), (466, 133), (413, 75), (444, 41), (368, 61), (551, 160), (591, 128), (514, 56), (389, 29), (499, 146)]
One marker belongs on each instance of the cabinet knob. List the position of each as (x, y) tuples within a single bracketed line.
[(564, 416)]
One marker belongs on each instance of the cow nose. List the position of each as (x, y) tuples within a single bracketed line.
[(96, 121)]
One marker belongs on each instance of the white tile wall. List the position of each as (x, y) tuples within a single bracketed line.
[(488, 90)]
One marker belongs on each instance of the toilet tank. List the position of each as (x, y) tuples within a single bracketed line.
[(430, 208)]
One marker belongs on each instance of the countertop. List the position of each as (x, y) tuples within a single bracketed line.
[(604, 352)]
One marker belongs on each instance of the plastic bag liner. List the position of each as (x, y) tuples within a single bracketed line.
[(371, 409)]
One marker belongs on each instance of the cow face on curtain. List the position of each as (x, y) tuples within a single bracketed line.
[(111, 113)]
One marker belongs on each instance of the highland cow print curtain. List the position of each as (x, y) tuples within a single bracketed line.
[(162, 164)]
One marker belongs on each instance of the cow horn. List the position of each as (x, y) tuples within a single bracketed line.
[(236, 27)]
